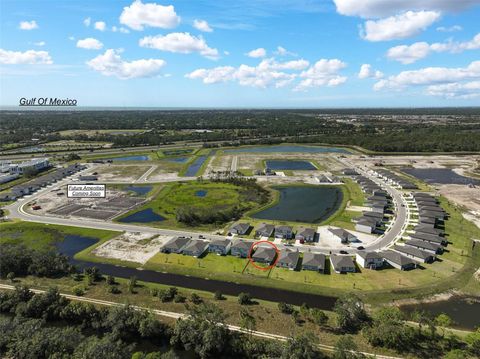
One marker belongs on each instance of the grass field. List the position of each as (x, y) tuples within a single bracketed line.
[(217, 197), (44, 236)]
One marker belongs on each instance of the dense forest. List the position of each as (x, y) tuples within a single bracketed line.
[(386, 130)]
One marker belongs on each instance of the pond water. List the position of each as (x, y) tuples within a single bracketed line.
[(129, 158), (464, 311), (73, 244), (195, 166), (140, 190), (178, 159), (439, 175), (290, 165), (201, 193), (287, 148), (303, 204), (144, 216)]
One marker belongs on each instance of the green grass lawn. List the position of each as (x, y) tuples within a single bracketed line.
[(355, 193)]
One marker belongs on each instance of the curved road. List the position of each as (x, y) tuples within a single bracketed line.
[(17, 211)]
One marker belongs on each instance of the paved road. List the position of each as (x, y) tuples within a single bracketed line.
[(17, 211), (176, 315)]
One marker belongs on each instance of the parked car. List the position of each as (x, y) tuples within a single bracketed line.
[(361, 248), (343, 252)]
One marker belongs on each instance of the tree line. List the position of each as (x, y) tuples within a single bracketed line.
[(394, 130)]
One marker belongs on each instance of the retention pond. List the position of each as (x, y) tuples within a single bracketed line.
[(309, 204)]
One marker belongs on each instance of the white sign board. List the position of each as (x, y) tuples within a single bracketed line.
[(86, 191)]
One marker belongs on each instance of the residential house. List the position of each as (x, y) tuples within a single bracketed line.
[(371, 260), (240, 228), (313, 262), (429, 230), (288, 259), (398, 260), (425, 246), (306, 234), (175, 245), (342, 264), (240, 248), (220, 246), (343, 235), (432, 238), (414, 253), (265, 230), (195, 248), (366, 225), (284, 232), (264, 255)]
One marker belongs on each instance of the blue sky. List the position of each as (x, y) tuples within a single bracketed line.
[(242, 53)]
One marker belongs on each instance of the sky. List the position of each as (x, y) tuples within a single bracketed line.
[(242, 53)]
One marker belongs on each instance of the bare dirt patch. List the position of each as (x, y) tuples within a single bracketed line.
[(132, 246)]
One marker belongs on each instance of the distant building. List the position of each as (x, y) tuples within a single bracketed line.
[(36, 164)]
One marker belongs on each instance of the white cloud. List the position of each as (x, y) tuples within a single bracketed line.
[(71, 38), (450, 29), (138, 15), (87, 21), (455, 90), (28, 25), (268, 73), (111, 64), (89, 43), (30, 57), (366, 71), (257, 53), (271, 73), (383, 8), (399, 26), (324, 72), (179, 42), (40, 43), (281, 51), (120, 29), (213, 76), (419, 50), (430, 76), (202, 25), (100, 25)]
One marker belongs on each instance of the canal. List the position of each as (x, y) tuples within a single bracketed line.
[(73, 244)]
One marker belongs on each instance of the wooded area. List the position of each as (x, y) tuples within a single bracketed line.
[(388, 130)]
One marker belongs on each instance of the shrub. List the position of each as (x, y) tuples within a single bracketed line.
[(244, 299)]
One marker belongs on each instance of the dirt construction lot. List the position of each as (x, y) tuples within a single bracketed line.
[(132, 246)]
